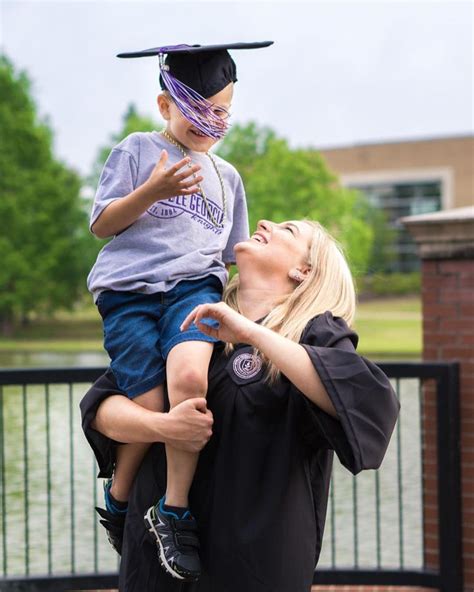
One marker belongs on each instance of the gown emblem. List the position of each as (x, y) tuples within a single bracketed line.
[(246, 365)]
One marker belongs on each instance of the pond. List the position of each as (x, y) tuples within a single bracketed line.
[(375, 517)]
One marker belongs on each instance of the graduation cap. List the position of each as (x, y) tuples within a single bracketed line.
[(193, 73)]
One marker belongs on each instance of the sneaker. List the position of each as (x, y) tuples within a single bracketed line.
[(114, 525), (177, 542), (113, 519)]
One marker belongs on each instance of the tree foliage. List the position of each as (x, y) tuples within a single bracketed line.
[(132, 121), (284, 183), (44, 244)]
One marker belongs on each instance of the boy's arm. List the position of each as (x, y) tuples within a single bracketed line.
[(163, 183), (240, 224)]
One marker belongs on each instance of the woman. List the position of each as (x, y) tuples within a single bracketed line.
[(288, 391)]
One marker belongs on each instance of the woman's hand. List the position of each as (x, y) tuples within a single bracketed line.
[(233, 327), (188, 426)]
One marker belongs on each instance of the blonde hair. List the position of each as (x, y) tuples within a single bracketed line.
[(328, 286)]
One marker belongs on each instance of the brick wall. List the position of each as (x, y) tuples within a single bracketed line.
[(448, 334), (446, 246)]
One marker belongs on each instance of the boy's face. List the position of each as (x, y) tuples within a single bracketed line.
[(183, 130)]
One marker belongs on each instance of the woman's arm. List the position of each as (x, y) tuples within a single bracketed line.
[(187, 426), (294, 362), (289, 357)]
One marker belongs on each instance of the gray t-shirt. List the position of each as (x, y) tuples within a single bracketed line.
[(175, 239)]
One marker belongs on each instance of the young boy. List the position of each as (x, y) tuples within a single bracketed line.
[(175, 212)]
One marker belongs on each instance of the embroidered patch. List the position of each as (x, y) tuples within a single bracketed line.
[(246, 366)]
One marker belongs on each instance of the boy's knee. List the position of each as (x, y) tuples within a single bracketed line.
[(186, 383)]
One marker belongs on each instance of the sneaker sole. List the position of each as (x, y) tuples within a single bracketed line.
[(161, 555)]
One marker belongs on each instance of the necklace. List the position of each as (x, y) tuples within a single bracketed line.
[(206, 202)]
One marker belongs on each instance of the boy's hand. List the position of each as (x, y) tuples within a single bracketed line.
[(164, 183)]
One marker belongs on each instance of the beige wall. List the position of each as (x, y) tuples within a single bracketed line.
[(449, 159)]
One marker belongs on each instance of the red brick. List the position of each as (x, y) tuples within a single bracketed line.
[(468, 531), (455, 325), (429, 421), (430, 499), (467, 403), (442, 310), (459, 295), (442, 281), (466, 312), (430, 296), (429, 268), (456, 353), (434, 281), (467, 439), (466, 281), (443, 338), (466, 339), (468, 458), (430, 352), (467, 424), (430, 515), (467, 368), (451, 267)]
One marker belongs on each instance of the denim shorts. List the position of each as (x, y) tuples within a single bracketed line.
[(141, 329)]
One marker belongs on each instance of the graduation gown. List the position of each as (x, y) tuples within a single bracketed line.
[(261, 487)]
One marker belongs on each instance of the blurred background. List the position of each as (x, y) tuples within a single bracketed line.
[(359, 114)]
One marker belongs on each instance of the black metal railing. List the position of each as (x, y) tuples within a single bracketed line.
[(374, 532)]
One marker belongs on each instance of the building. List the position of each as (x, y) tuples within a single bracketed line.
[(406, 178)]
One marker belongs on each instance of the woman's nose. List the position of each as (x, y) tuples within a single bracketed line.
[(264, 225)]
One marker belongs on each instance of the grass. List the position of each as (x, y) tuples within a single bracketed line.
[(390, 328), (387, 327)]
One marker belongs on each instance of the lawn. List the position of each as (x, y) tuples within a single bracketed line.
[(388, 328)]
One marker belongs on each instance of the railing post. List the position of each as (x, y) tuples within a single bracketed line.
[(449, 480)]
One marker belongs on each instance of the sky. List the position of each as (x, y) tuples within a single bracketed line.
[(339, 73)]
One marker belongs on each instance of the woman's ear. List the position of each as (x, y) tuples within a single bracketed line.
[(299, 274), (163, 106)]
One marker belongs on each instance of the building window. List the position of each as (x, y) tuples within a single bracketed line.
[(399, 199)]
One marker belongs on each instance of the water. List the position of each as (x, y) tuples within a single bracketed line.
[(52, 359), (61, 541)]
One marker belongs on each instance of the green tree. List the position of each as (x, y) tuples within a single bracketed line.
[(283, 183), (44, 242), (132, 121), (382, 253)]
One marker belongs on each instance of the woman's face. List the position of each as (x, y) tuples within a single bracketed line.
[(277, 248)]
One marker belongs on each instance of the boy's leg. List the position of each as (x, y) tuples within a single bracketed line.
[(187, 368), (130, 456)]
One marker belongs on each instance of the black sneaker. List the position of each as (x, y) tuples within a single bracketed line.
[(114, 526), (177, 542), (113, 519)]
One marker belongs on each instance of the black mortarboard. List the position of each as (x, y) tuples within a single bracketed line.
[(207, 69), (193, 73)]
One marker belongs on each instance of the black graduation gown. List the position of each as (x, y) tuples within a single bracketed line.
[(261, 487)]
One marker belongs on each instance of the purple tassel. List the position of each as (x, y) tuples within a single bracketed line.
[(193, 106)]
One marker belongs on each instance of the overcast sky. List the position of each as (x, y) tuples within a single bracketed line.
[(339, 73)]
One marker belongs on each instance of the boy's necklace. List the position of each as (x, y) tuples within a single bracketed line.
[(206, 203)]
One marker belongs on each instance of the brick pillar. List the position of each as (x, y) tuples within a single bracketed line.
[(446, 246)]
